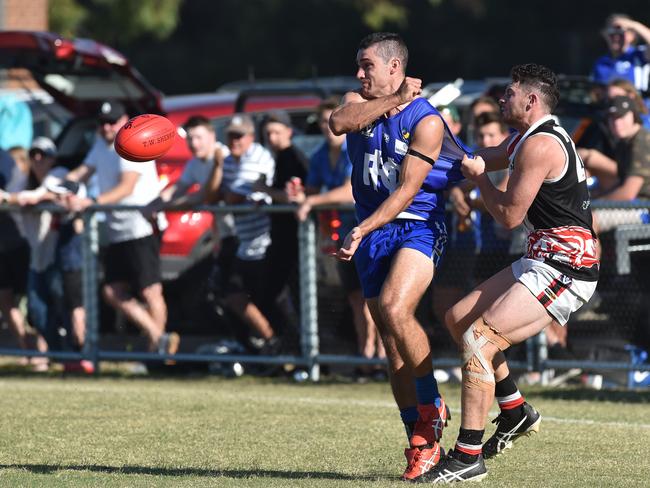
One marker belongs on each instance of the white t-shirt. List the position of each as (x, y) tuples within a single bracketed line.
[(197, 171), (239, 176), (124, 225)]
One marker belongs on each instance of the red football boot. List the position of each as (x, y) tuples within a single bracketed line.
[(421, 460)]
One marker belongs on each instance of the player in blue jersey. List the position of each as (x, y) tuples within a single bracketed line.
[(403, 158)]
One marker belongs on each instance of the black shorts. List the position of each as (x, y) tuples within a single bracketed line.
[(14, 268), (250, 277), (72, 289), (136, 262)]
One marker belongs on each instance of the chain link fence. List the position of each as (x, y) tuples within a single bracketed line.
[(608, 337)]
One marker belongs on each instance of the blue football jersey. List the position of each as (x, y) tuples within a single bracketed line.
[(377, 152)]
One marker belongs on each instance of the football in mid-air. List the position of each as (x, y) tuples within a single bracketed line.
[(145, 137)]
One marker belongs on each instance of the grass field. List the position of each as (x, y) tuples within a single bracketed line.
[(120, 431)]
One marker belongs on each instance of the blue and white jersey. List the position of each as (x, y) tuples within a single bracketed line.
[(631, 65), (377, 152)]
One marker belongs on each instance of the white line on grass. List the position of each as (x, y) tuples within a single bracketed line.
[(381, 404), (87, 388)]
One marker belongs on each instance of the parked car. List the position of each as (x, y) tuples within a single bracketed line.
[(80, 74)]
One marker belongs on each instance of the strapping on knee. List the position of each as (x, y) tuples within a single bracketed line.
[(477, 369)]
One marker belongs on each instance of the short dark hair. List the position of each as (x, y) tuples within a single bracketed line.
[(390, 45), (540, 78), (486, 118), (198, 121)]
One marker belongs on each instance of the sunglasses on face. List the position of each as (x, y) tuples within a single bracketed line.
[(614, 31), (34, 153), (235, 135), (108, 121)]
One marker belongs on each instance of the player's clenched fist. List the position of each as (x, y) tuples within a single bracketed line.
[(472, 167), (409, 89)]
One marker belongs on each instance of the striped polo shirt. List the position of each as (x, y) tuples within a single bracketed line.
[(239, 176)]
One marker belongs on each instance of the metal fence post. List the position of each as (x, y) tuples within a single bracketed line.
[(89, 279), (308, 296)]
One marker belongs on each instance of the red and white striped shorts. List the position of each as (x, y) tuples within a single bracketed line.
[(561, 295)]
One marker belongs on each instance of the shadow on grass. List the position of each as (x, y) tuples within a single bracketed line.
[(588, 394), (226, 473)]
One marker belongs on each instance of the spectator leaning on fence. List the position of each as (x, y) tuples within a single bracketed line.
[(54, 286), (632, 155), (246, 293), (14, 254), (132, 261), (192, 187)]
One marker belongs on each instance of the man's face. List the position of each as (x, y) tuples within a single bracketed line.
[(323, 122), (278, 135), (618, 38), (490, 135), (373, 73), (201, 141), (239, 143), (40, 163), (513, 104), (624, 126), (108, 128)]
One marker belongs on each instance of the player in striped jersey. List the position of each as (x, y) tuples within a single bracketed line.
[(547, 191)]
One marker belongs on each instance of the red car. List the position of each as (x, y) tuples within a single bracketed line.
[(79, 74)]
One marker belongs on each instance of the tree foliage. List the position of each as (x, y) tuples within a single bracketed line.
[(66, 16), (115, 21)]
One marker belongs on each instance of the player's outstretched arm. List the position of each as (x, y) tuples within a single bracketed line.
[(538, 158), (495, 157), (423, 151), (356, 112)]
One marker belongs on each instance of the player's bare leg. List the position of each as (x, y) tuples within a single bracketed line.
[(512, 317), (409, 357)]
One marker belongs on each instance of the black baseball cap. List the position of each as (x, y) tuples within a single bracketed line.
[(110, 111)]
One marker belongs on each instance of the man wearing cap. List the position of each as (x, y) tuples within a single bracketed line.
[(248, 165), (631, 165), (132, 261)]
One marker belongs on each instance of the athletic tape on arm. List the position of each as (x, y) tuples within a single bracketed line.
[(476, 367)]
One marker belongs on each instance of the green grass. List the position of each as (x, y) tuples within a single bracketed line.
[(118, 431)]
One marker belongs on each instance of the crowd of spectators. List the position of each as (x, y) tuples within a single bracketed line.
[(40, 252)]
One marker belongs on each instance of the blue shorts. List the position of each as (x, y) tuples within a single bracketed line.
[(375, 254)]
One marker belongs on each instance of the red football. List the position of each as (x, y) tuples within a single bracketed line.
[(145, 137)]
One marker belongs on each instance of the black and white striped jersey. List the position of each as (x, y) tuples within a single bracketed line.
[(559, 218)]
